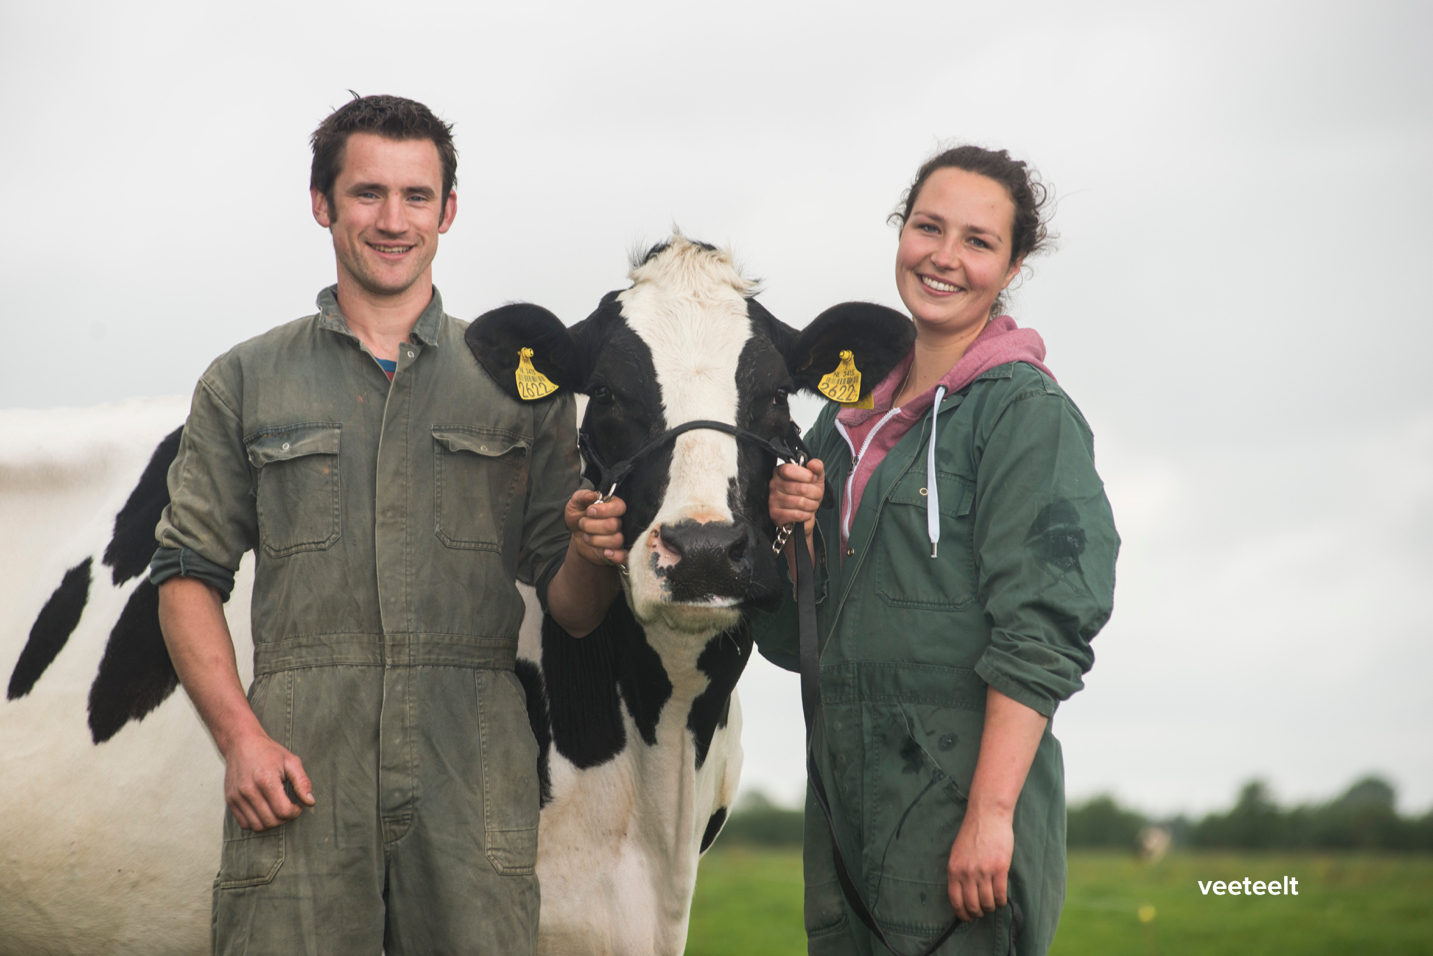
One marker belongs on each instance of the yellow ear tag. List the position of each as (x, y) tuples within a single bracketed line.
[(844, 384), (531, 384)]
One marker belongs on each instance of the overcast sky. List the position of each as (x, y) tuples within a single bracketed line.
[(1237, 299)]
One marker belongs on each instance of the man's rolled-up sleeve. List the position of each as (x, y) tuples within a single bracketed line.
[(1045, 546), (211, 520)]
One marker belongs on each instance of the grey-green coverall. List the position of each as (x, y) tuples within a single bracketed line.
[(388, 523)]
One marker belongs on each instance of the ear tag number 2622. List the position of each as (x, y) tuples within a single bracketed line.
[(531, 384), (844, 384)]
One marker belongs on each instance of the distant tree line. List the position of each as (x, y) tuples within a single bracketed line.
[(1364, 817)]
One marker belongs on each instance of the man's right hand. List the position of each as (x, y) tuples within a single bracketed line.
[(256, 769)]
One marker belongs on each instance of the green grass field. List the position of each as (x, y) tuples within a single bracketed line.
[(748, 902)]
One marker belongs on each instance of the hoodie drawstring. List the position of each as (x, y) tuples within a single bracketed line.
[(932, 501)]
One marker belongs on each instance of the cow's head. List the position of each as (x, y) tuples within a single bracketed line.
[(688, 341)]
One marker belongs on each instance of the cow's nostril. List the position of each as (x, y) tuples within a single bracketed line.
[(671, 540), (737, 552)]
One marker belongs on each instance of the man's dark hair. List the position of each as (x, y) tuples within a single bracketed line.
[(392, 117)]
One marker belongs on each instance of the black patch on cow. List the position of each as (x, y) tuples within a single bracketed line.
[(622, 362), (722, 660), (52, 629), (589, 679), (762, 383), (135, 675), (537, 716), (1056, 537), (132, 545), (714, 826)]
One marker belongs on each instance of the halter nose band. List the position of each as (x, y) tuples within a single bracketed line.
[(790, 448)]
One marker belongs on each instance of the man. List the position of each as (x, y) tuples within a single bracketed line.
[(391, 493)]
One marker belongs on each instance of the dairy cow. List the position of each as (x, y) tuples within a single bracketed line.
[(112, 794)]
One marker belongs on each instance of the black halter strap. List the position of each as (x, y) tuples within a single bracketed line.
[(789, 448)]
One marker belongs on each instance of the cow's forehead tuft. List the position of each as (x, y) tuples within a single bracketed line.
[(690, 267)]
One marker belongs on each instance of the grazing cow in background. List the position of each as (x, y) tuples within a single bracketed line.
[(111, 797)]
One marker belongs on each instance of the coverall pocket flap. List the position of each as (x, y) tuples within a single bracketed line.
[(512, 852), (490, 443), (293, 441), (250, 860)]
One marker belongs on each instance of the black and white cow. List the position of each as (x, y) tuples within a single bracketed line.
[(111, 792)]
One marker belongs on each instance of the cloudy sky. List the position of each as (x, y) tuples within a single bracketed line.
[(1235, 301)]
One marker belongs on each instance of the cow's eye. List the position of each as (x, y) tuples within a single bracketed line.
[(601, 394), (779, 398)]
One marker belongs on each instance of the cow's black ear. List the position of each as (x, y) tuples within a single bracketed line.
[(497, 339), (877, 338)]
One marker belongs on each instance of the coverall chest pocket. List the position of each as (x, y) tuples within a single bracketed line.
[(906, 574), (299, 500), (479, 472)]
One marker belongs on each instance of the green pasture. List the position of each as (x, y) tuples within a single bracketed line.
[(748, 902)]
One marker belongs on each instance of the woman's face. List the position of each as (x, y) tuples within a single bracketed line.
[(954, 255)]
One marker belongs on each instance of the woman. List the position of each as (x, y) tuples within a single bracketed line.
[(962, 577)]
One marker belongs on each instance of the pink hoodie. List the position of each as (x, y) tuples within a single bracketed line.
[(872, 432)]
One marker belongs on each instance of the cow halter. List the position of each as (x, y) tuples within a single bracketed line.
[(789, 448)]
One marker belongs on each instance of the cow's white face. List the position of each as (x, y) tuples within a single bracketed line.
[(689, 565)]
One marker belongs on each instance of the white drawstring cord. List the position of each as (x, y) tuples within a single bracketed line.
[(932, 502)]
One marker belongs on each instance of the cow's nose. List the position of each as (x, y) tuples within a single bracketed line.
[(714, 553), (689, 538)]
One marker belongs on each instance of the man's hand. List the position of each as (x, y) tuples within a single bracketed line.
[(596, 528), (980, 864), (191, 616), (255, 771)]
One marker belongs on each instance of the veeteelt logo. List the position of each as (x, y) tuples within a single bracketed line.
[(1244, 887)]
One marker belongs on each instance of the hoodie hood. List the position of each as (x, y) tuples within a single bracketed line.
[(872, 432)]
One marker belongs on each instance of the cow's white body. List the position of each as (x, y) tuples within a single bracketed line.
[(103, 848)]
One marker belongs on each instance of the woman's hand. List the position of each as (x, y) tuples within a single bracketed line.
[(980, 864), (979, 870), (796, 493)]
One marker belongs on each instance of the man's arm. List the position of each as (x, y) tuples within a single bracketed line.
[(980, 857), (584, 587), (255, 765)]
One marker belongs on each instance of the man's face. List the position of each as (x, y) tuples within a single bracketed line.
[(387, 212)]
